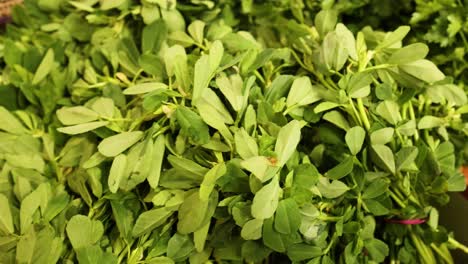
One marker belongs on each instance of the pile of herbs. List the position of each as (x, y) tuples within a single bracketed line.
[(221, 132)]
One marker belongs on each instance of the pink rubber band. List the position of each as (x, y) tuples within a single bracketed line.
[(406, 221)]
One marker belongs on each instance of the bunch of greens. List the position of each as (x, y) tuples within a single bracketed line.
[(164, 132)]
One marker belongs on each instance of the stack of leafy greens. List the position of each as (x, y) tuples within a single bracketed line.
[(221, 132)]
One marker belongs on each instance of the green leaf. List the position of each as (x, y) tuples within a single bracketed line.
[(153, 36), (338, 119), (428, 122), (194, 213), (331, 190), (410, 53), (375, 189), (339, 171), (394, 37), (359, 85), (195, 29), (179, 247), (382, 136), (84, 232), (384, 157), (45, 67), (271, 238), (10, 123), (252, 230), (6, 220), (159, 146), (424, 70), (94, 254), (76, 115), (82, 128), (142, 88), (325, 21), (355, 138), (266, 200), (288, 139), (348, 40), (104, 107), (114, 145), (261, 167), (117, 172), (375, 207), (299, 252), (149, 220), (209, 181), (287, 217), (302, 93), (390, 111), (334, 53), (205, 69), (200, 236), (377, 249), (192, 125), (246, 146), (405, 158)]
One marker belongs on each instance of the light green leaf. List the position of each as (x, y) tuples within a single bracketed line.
[(104, 107), (117, 172), (394, 37), (82, 128), (355, 138), (302, 93), (338, 119), (194, 213), (390, 111), (209, 181), (76, 115), (94, 254), (200, 236), (325, 21), (158, 156), (288, 217), (252, 230), (348, 40), (149, 220), (424, 70), (232, 89), (45, 67), (339, 171), (382, 136), (331, 190), (6, 220), (142, 88), (195, 29), (287, 141), (205, 69), (246, 146), (83, 232), (260, 167), (359, 85), (325, 106), (266, 199), (384, 157), (10, 123), (114, 145), (410, 53), (428, 122)]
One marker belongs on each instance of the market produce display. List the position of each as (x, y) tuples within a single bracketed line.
[(163, 131)]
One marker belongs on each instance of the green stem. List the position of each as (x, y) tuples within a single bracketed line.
[(363, 113), (446, 258), (397, 199), (356, 113), (413, 117), (458, 245)]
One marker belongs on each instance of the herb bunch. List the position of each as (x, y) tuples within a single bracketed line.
[(132, 134)]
